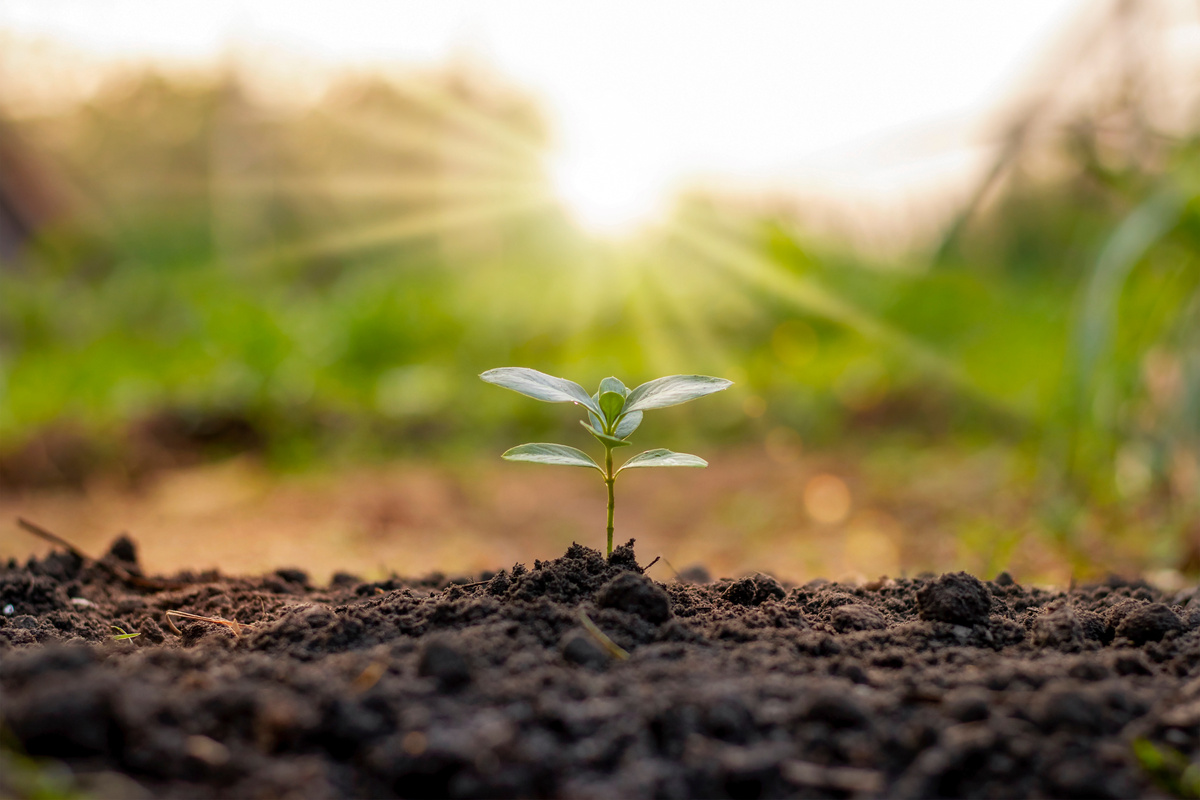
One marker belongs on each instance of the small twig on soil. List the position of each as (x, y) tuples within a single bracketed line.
[(120, 573), (666, 564), (614, 649), (470, 585), (233, 625), (52, 538)]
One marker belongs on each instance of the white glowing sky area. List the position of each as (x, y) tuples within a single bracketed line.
[(870, 99)]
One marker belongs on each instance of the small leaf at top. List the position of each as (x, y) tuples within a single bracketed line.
[(611, 441), (663, 458), (544, 453), (673, 390), (613, 385), (540, 386), (611, 404), (628, 424)]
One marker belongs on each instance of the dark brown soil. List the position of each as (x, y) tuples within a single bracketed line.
[(493, 687)]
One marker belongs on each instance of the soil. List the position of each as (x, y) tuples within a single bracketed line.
[(493, 686)]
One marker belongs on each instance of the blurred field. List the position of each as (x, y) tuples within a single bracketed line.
[(754, 509), (248, 331)]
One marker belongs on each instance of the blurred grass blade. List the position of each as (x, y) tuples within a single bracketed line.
[(544, 453), (663, 458), (1096, 361), (540, 386), (673, 390), (1145, 226)]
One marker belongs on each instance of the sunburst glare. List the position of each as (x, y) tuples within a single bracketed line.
[(605, 198)]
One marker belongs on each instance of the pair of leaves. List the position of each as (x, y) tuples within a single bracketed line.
[(658, 393), (562, 455), (614, 412)]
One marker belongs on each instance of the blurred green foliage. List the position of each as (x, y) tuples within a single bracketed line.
[(338, 275)]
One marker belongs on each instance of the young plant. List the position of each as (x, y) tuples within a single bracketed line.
[(614, 413), (121, 635)]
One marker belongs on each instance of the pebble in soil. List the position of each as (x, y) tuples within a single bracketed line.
[(948, 686)]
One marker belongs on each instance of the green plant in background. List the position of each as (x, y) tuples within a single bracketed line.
[(614, 413), (1169, 768)]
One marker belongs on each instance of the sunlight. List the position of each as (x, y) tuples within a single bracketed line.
[(757, 271), (605, 199), (391, 232), (796, 117)]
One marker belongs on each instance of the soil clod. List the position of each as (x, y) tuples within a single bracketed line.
[(580, 648), (635, 594), (857, 617), (444, 663), (753, 591), (957, 598), (1148, 623)]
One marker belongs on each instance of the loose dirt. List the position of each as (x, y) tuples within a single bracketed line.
[(493, 686)]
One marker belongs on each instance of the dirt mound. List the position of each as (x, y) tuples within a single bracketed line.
[(501, 686)]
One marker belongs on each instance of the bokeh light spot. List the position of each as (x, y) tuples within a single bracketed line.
[(783, 446), (872, 543), (827, 499)]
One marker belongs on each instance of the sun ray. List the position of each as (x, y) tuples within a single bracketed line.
[(661, 350), (744, 264), (371, 187), (692, 325), (495, 129), (408, 138), (393, 231), (382, 187)]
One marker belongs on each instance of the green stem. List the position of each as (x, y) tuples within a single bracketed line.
[(609, 480)]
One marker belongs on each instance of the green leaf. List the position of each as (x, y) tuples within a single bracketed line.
[(611, 441), (121, 635), (540, 386), (611, 404), (613, 385), (543, 453), (673, 390), (663, 458), (628, 424)]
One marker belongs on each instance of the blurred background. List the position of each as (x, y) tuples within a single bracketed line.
[(253, 258)]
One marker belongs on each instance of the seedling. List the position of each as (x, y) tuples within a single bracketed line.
[(614, 413), (121, 635)]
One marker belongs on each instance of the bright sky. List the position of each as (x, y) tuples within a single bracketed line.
[(870, 99)]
